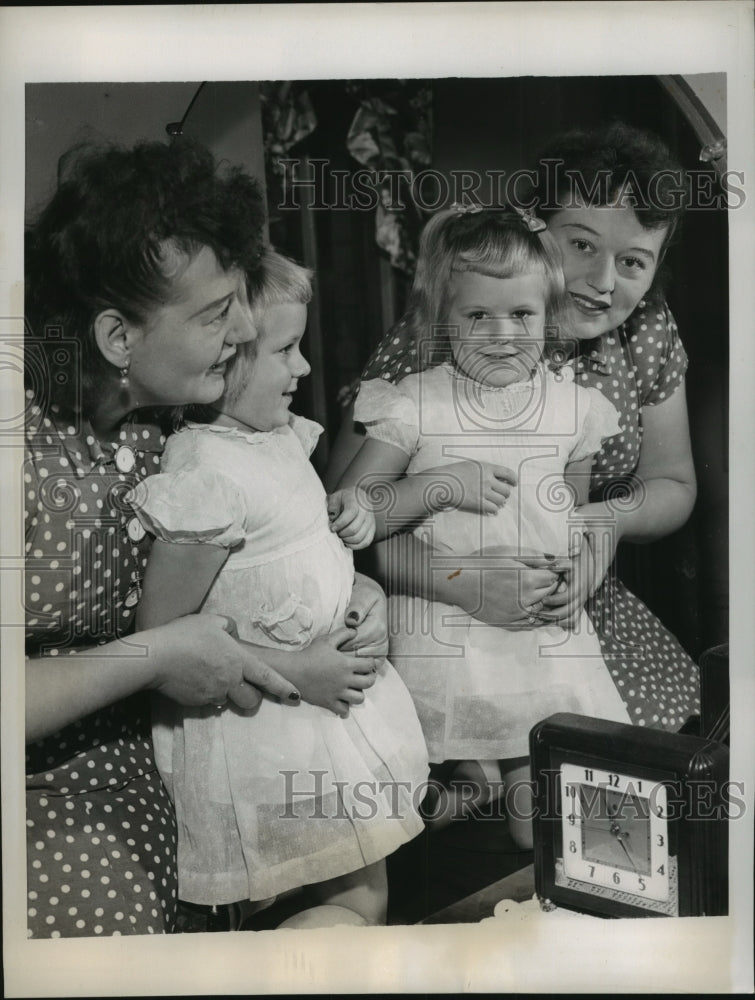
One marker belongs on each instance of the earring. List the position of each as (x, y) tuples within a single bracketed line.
[(124, 377)]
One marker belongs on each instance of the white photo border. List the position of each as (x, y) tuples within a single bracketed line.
[(328, 41)]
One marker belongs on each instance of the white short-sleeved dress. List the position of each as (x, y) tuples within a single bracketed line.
[(286, 795), (478, 688)]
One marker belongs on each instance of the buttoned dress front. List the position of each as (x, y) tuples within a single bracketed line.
[(101, 837)]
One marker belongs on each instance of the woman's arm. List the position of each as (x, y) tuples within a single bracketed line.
[(666, 486), (496, 588), (660, 497), (657, 502), (577, 475), (194, 661)]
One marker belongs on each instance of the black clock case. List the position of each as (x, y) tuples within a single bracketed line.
[(697, 828)]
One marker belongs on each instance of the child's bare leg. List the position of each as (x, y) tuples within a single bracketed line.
[(359, 898), (516, 776), (472, 783)]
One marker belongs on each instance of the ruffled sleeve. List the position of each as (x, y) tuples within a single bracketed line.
[(307, 431), (600, 421), (191, 506), (388, 413)]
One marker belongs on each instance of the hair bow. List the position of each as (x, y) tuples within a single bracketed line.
[(530, 220), (471, 208)]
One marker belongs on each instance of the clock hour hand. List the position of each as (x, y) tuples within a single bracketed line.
[(616, 831)]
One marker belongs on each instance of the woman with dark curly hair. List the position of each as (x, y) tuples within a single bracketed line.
[(136, 298), (612, 199)]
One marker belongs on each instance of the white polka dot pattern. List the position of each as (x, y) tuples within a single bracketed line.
[(101, 830)]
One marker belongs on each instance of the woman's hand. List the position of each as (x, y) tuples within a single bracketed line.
[(333, 677), (199, 661), (367, 615), (508, 587), (351, 517), (477, 487), (194, 660), (597, 541)]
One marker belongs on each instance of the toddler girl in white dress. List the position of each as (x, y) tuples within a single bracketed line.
[(314, 794), (471, 455)]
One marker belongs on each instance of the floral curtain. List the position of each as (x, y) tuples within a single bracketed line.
[(392, 131)]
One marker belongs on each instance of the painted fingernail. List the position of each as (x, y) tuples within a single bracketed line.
[(549, 555), (294, 696)]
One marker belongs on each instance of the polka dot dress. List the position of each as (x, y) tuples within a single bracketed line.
[(101, 837), (642, 363)]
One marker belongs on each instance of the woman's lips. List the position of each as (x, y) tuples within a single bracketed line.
[(222, 362), (592, 307)]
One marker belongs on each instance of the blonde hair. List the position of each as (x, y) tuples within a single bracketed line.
[(282, 282), (500, 243)]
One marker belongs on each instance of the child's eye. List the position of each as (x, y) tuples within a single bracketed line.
[(584, 246), (478, 314), (523, 313)]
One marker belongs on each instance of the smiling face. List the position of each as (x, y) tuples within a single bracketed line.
[(179, 356), (501, 325), (261, 400), (609, 263)]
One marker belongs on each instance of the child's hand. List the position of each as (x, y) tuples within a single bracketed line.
[(335, 679), (351, 517), (367, 612), (477, 487)]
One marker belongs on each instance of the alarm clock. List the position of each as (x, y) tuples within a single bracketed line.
[(629, 822)]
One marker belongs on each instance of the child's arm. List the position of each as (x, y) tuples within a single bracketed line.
[(399, 501), (176, 583), (177, 580), (577, 475)]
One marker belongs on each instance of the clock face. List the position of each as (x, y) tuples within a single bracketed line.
[(620, 827), (614, 837)]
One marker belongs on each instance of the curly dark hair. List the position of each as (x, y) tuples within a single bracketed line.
[(100, 241), (600, 163)]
